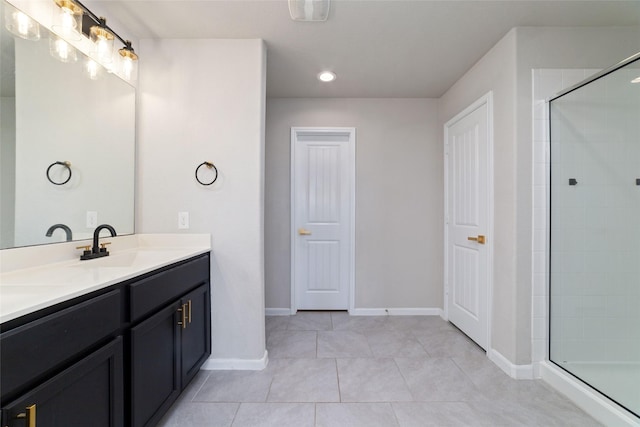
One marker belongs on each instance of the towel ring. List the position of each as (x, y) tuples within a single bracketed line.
[(210, 166), (64, 164)]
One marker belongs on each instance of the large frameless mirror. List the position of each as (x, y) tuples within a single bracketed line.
[(67, 141)]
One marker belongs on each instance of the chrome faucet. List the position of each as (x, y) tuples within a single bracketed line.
[(66, 229), (96, 251)]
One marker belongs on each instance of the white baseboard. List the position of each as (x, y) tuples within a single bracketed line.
[(518, 372), (592, 402), (213, 364), (277, 311), (396, 312)]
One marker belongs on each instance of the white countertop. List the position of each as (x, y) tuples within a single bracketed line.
[(37, 277)]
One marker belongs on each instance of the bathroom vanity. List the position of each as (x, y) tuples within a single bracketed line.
[(116, 355)]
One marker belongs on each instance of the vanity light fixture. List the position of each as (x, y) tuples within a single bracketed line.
[(67, 19), (129, 60), (327, 76), (61, 50), (78, 19), (309, 10), (103, 38), (20, 24), (93, 69)]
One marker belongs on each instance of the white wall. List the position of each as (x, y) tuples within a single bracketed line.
[(399, 198), (496, 72), (506, 69), (203, 100)]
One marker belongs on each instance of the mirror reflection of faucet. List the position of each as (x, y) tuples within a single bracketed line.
[(98, 250), (66, 229)]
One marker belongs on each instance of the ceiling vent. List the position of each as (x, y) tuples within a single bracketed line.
[(309, 10)]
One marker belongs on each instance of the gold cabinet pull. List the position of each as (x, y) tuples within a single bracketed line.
[(480, 239), (183, 313), (189, 305), (29, 416), (304, 232)]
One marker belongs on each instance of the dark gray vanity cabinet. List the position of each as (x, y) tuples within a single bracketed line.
[(117, 357), (170, 345), (89, 393)]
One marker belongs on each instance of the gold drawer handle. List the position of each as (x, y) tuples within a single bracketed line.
[(29, 416), (183, 316), (480, 239), (189, 305), (304, 232)]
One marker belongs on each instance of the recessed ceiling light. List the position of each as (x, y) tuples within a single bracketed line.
[(636, 80), (327, 76)]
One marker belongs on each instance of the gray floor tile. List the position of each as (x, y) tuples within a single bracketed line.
[(435, 414), (304, 380), (385, 343), (342, 321), (310, 321), (355, 415), (437, 380), (547, 414), (276, 323), (448, 344), (235, 386), (371, 380), (332, 369), (275, 415), (195, 385), (287, 344), (199, 414), (343, 344)]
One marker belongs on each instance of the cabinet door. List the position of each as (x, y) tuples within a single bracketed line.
[(89, 393), (196, 334), (155, 363)]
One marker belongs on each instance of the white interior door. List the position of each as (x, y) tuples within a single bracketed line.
[(468, 220), (322, 189)]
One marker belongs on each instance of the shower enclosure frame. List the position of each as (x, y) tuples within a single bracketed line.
[(585, 82)]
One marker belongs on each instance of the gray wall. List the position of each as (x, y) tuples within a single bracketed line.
[(506, 69), (211, 112), (399, 198)]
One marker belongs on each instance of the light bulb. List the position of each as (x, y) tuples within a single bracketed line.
[(67, 19), (127, 68), (326, 76), (62, 51), (93, 68), (21, 25)]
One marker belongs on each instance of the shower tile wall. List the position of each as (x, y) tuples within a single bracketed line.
[(546, 83), (597, 306)]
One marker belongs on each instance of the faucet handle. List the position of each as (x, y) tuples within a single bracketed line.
[(86, 247), (102, 245)]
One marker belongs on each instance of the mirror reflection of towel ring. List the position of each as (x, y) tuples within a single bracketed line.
[(210, 166), (63, 164)]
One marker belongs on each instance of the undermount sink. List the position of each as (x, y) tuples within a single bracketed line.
[(129, 259)]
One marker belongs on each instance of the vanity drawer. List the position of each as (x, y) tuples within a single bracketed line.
[(35, 348), (154, 292)]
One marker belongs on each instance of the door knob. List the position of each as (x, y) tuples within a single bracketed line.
[(304, 232), (480, 239)]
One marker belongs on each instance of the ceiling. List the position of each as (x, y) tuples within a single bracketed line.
[(394, 48)]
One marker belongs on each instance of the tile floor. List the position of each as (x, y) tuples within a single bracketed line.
[(333, 370)]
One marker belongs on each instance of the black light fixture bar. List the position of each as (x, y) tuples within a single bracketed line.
[(96, 20)]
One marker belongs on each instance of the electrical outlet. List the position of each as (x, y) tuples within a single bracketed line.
[(92, 219), (183, 220)]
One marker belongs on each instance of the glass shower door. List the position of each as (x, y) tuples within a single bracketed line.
[(595, 234)]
